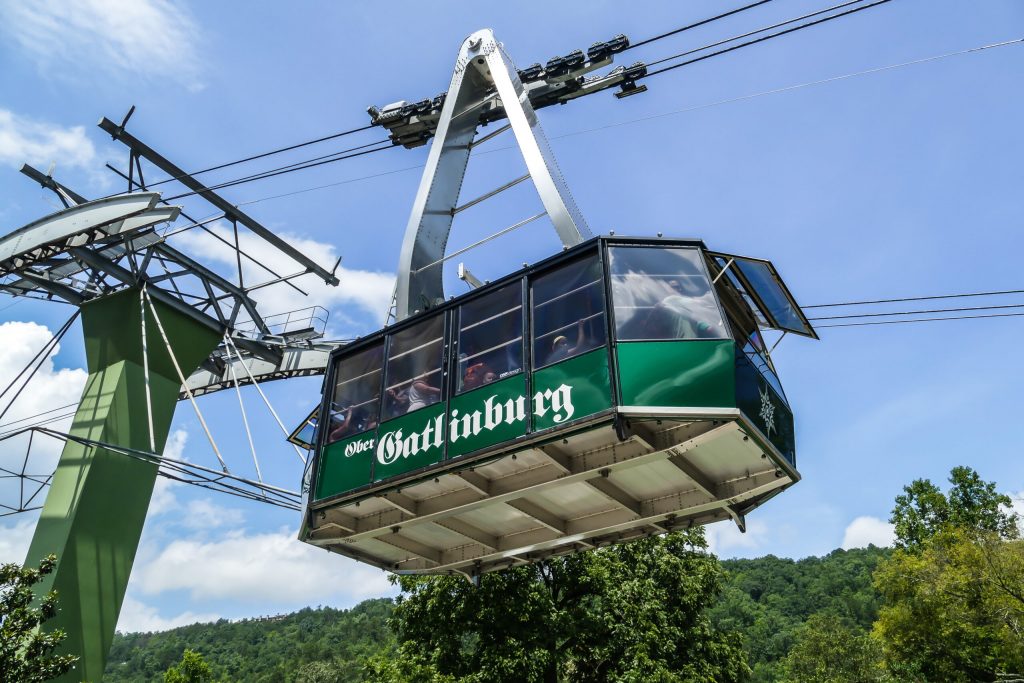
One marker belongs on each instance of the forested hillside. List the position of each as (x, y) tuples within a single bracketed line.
[(766, 600), (295, 647)]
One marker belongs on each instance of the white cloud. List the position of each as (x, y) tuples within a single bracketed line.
[(23, 140), (151, 39), (15, 539), (1018, 507), (48, 389), (362, 294), (725, 538), (268, 569), (866, 530), (138, 617)]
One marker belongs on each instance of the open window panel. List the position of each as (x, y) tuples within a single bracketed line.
[(304, 436), (757, 281)]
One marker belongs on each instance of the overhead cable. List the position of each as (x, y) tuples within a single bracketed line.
[(702, 22), (764, 38), (922, 320), (922, 312), (290, 168), (918, 298), (652, 117), (755, 32), (265, 154)]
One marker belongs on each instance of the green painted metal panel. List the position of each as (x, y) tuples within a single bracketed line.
[(698, 373), (571, 389), (97, 502), (410, 442), (488, 415), (346, 464)]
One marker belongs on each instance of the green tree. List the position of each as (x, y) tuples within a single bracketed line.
[(191, 669), (953, 591), (634, 612), (829, 651), (26, 651), (923, 510)]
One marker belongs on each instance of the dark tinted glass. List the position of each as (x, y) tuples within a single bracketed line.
[(355, 401), (770, 291), (414, 367), (490, 338), (568, 311), (663, 294)]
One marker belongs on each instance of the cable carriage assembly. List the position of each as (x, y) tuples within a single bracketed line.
[(618, 389)]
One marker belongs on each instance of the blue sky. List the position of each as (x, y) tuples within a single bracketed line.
[(899, 183)]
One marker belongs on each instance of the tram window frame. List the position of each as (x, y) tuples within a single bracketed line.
[(441, 370), (600, 318), (743, 318), (371, 414), (698, 260), (514, 291)]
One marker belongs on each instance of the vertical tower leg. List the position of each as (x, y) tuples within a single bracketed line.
[(96, 506)]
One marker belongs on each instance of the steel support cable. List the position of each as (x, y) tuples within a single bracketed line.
[(283, 170), (755, 32), (37, 362), (919, 312), (40, 423), (231, 344), (920, 298), (296, 164), (192, 469), (32, 417), (145, 369), (922, 320), (764, 38), (265, 154), (184, 383), (702, 22), (645, 119), (245, 418)]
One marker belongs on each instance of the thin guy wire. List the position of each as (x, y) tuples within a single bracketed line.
[(184, 381)]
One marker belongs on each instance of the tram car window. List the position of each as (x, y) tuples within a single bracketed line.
[(750, 346), (413, 376), (490, 341), (355, 402), (568, 311), (663, 294)]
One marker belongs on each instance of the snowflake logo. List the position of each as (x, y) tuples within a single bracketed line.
[(767, 411)]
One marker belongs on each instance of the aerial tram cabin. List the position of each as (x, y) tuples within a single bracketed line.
[(619, 389)]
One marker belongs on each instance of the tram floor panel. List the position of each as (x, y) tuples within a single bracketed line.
[(587, 490)]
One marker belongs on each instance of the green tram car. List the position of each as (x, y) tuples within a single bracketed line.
[(619, 389)]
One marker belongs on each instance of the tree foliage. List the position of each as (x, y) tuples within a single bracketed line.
[(954, 608), (923, 510), (26, 651), (829, 651), (191, 669), (768, 600), (309, 646), (954, 589), (635, 612)]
